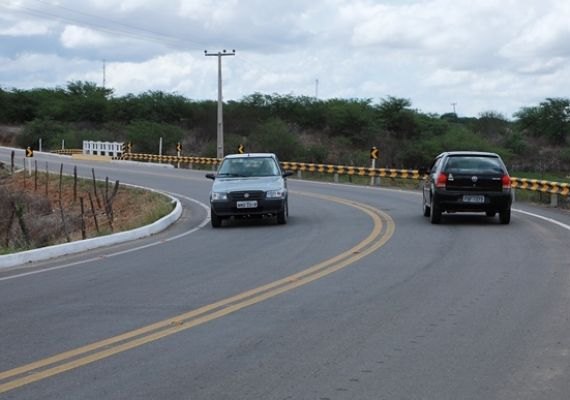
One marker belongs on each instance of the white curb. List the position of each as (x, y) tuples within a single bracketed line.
[(59, 250)]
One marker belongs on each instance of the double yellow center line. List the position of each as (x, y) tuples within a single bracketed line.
[(383, 228)]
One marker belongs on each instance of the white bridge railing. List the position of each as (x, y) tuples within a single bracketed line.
[(113, 149)]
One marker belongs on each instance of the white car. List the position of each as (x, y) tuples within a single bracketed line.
[(248, 185)]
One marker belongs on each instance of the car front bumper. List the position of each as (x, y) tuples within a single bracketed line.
[(228, 208)]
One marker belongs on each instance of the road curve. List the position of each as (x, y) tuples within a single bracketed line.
[(469, 309)]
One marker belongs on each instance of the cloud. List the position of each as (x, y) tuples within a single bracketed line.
[(476, 53), (35, 70), (173, 72), (26, 28), (77, 37), (544, 34)]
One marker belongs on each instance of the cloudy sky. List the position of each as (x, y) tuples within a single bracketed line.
[(474, 55)]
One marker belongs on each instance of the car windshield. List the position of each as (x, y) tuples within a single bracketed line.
[(479, 164), (249, 167)]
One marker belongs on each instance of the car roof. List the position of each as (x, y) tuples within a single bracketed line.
[(468, 153), (248, 155)]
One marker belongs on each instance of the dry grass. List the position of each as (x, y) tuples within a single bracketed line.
[(31, 215)]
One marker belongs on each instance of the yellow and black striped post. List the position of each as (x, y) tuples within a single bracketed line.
[(374, 156)]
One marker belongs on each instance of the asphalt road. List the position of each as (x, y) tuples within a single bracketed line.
[(357, 297)]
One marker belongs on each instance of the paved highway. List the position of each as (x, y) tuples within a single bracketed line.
[(357, 297)]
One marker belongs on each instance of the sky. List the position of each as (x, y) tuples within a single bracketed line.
[(467, 56)]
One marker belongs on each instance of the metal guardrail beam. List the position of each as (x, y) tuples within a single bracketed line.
[(68, 152), (352, 171), (536, 185), (562, 189)]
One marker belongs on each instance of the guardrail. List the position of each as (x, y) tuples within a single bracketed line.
[(170, 159), (353, 171), (67, 152), (554, 188), (536, 185), (290, 166)]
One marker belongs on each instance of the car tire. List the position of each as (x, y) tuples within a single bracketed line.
[(435, 214), (490, 214), (505, 216), (215, 220), (427, 210), (283, 215)]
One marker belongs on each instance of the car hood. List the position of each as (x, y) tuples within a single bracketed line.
[(251, 183)]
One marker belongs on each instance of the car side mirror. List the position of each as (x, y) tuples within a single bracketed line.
[(287, 173), (211, 176), (423, 171)]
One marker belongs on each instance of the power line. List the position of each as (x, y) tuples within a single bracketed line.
[(122, 29), (133, 27)]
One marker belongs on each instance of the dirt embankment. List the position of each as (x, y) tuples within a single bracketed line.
[(8, 135), (39, 210)]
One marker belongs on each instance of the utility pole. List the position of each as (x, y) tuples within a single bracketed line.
[(453, 105), (316, 88), (104, 73), (220, 138)]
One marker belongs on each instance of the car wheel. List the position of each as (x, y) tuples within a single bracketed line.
[(505, 216), (283, 215), (490, 213), (435, 215), (215, 220)]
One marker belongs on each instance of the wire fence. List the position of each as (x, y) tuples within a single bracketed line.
[(38, 208)]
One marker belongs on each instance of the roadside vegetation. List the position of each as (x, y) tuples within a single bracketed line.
[(297, 128), (45, 209), (42, 209)]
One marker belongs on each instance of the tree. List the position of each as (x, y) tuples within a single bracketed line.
[(87, 101), (491, 124), (274, 136), (145, 137), (51, 132), (353, 119), (397, 117), (550, 120)]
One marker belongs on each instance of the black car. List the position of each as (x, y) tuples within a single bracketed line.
[(465, 181), (249, 185)]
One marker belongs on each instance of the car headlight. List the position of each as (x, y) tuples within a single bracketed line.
[(276, 194), (217, 196)]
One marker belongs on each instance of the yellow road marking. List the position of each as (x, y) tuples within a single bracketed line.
[(84, 355)]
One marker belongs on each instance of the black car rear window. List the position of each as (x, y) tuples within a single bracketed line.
[(480, 164)]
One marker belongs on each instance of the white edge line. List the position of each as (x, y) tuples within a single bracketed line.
[(551, 220), (49, 252)]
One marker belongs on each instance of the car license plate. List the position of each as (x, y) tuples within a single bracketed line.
[(473, 199), (247, 204)]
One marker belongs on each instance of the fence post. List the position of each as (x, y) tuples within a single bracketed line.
[(553, 200)]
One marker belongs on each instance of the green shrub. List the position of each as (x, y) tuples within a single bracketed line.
[(274, 136)]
